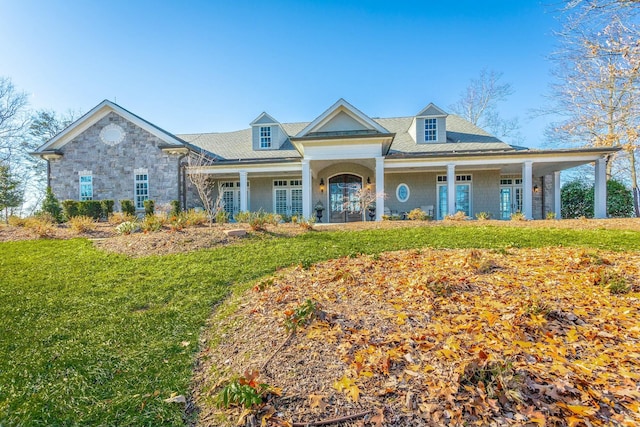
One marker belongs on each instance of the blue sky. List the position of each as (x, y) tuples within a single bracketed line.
[(202, 66)]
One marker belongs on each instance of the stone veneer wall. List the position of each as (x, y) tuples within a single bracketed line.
[(112, 167)]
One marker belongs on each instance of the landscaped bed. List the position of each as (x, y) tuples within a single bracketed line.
[(94, 337)]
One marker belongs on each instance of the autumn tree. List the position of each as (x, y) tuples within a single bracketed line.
[(479, 104), (597, 81)]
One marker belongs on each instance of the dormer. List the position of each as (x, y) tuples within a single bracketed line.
[(429, 126), (267, 134)]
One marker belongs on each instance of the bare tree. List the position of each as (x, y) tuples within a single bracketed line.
[(212, 203), (12, 118), (598, 81), (479, 104)]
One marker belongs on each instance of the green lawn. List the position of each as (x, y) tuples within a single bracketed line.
[(89, 338)]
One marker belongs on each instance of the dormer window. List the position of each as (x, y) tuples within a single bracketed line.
[(430, 130), (265, 136)]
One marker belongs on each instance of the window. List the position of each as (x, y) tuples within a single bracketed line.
[(430, 130), (402, 192), (265, 136), (86, 185), (141, 188)]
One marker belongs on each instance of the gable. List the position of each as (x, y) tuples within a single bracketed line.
[(264, 119), (98, 113), (342, 122), (339, 118), (431, 110)]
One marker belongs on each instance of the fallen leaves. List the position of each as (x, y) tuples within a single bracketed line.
[(456, 337)]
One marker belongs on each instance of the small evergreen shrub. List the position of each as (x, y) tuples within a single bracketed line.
[(149, 207), (70, 209), (107, 207), (51, 206), (176, 209), (127, 207), (90, 208)]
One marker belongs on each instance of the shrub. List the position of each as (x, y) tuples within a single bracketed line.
[(550, 215), (82, 223), (307, 223), (243, 217), (128, 227), (118, 218), (619, 200), (107, 207), (149, 207), (518, 216), (51, 206), (458, 216), (244, 391), (176, 209), (302, 315), (41, 225), (222, 217), (483, 216), (417, 214), (577, 200), (127, 207), (195, 217), (178, 222), (69, 209), (16, 221), (152, 223), (91, 208)]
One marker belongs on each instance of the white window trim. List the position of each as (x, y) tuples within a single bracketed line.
[(264, 135), (84, 174)]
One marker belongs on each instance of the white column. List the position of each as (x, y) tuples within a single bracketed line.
[(557, 203), (527, 189), (600, 193), (451, 189), (379, 188), (243, 192), (306, 188)]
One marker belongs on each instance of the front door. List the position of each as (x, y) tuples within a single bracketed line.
[(344, 203)]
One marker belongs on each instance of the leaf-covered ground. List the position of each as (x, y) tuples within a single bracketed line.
[(545, 336)]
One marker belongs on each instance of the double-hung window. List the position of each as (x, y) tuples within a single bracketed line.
[(430, 130), (141, 187), (265, 136), (86, 185)]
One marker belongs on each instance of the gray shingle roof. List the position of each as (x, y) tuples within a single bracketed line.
[(462, 136)]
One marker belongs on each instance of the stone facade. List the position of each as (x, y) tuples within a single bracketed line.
[(112, 166)]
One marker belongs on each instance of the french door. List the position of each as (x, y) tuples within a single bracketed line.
[(287, 196), (344, 203), (510, 196)]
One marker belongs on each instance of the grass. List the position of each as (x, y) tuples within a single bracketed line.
[(90, 338)]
